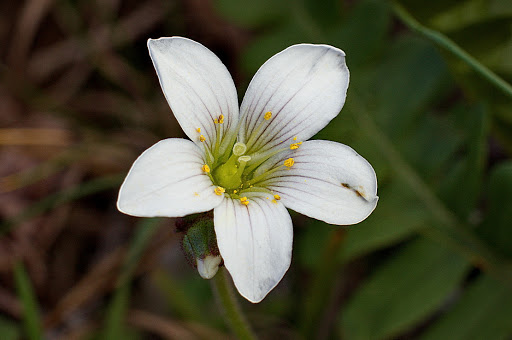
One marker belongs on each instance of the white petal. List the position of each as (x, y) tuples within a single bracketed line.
[(303, 86), (329, 181), (255, 242), (196, 84), (208, 266), (167, 180)]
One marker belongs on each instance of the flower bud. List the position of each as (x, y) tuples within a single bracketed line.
[(200, 244)]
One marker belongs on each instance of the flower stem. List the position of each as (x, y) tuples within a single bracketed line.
[(232, 312), (451, 46)]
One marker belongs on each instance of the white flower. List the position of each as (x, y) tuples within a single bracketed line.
[(249, 165)]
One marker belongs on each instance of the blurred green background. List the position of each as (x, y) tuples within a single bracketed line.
[(79, 101)]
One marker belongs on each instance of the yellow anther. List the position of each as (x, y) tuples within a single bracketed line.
[(234, 191), (206, 168), (289, 162), (198, 130), (196, 194), (244, 200), (295, 145), (295, 138), (277, 197), (201, 138), (219, 191), (220, 120), (274, 201), (267, 115)]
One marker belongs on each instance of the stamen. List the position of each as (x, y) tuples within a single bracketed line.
[(205, 168), (218, 134), (220, 120), (289, 162), (256, 162), (255, 132), (295, 146), (295, 138), (244, 200), (202, 139), (219, 191), (256, 189), (198, 130), (277, 197)]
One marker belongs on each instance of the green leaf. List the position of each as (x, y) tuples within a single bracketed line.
[(363, 33), (465, 179), (395, 93), (398, 216), (325, 13), (114, 321), (9, 329), (496, 227), (480, 39), (265, 46), (410, 286), (483, 312), (430, 146), (249, 13), (31, 318), (424, 13), (468, 13)]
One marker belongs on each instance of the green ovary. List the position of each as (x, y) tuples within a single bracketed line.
[(229, 174), (236, 175)]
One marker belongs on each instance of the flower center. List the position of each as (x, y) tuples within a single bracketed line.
[(229, 174), (233, 172)]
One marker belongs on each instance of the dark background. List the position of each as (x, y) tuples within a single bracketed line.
[(79, 101)]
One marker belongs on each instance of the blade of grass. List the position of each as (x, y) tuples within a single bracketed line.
[(116, 310), (448, 44), (177, 298), (9, 329), (31, 318), (58, 198)]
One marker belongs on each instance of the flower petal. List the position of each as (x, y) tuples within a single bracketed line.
[(197, 86), (255, 242), (328, 181), (167, 180), (303, 86)]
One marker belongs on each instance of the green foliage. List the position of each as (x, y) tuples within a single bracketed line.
[(114, 327), (483, 311), (399, 216), (495, 228), (249, 13), (407, 288), (9, 329), (31, 319), (429, 105)]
